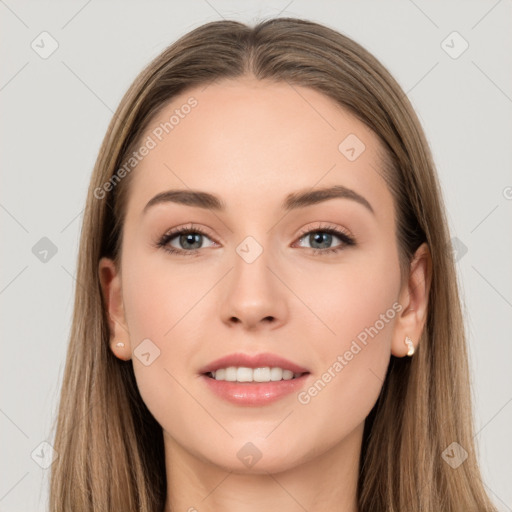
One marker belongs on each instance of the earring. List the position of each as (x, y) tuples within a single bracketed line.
[(410, 345), (120, 344)]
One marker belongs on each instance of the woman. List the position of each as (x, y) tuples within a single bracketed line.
[(221, 356)]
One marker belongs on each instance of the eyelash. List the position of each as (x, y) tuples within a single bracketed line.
[(331, 230)]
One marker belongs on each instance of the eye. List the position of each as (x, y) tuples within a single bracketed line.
[(188, 238), (321, 238)]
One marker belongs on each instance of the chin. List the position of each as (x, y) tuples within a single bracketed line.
[(247, 457)]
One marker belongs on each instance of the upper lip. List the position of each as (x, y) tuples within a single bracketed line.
[(253, 361)]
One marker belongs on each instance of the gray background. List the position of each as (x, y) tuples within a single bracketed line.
[(55, 112)]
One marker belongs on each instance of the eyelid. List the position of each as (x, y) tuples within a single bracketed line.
[(325, 226), (188, 227)]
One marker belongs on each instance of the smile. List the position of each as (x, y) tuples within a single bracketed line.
[(245, 374)]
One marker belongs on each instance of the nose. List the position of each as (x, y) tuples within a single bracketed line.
[(255, 298)]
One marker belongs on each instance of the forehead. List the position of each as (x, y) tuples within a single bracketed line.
[(253, 142)]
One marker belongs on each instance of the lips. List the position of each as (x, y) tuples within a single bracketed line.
[(253, 361)]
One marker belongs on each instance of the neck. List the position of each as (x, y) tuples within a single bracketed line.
[(324, 483)]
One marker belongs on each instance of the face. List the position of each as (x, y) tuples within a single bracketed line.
[(314, 282)]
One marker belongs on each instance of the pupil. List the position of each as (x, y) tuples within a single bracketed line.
[(319, 236), (189, 238)]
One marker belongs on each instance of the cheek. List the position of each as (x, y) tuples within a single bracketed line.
[(157, 295), (349, 297), (160, 307), (357, 305)]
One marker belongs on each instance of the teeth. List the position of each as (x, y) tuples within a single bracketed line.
[(231, 374), (263, 374), (244, 374)]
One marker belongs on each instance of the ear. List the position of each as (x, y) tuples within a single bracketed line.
[(414, 301), (110, 280)]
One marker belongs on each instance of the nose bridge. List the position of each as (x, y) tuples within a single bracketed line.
[(253, 293), (253, 260)]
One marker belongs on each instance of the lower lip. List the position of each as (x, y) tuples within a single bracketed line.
[(254, 393)]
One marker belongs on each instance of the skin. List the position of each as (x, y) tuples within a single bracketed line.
[(252, 143)]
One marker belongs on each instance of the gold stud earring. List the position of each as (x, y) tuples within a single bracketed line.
[(410, 345)]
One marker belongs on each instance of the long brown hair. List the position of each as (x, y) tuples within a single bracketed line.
[(110, 448)]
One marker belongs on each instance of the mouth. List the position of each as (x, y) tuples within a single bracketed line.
[(253, 379)]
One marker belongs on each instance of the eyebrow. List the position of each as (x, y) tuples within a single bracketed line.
[(293, 201)]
